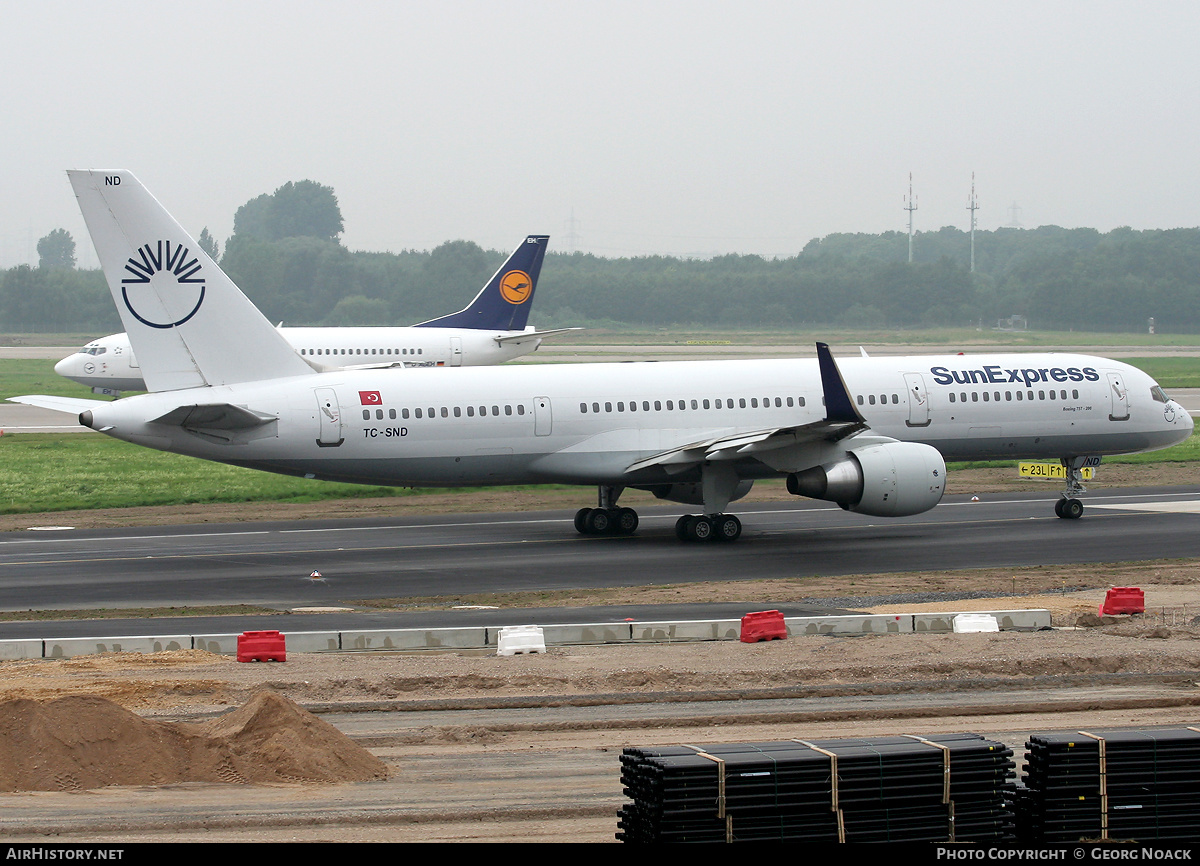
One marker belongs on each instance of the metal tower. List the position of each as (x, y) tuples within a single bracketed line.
[(910, 205), (972, 206)]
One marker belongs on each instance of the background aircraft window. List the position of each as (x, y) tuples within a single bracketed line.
[(417, 412), (1020, 396), (695, 405), (520, 408), (1008, 396), (996, 396), (366, 414), (482, 411), (778, 403), (595, 407), (974, 396), (496, 410), (471, 410), (1074, 394), (985, 396), (445, 412), (378, 414), (583, 408), (432, 412), (962, 397), (607, 406), (620, 405), (670, 404), (706, 404), (1053, 395), (507, 409), (1041, 395), (1063, 393), (754, 402), (404, 413), (860, 399), (657, 405), (717, 403), (741, 402), (420, 351), (871, 399), (951, 396), (392, 414), (457, 411)]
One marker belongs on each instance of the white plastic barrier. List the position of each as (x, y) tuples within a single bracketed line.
[(970, 623), (520, 639)]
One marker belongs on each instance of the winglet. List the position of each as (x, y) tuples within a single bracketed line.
[(503, 303), (838, 405)]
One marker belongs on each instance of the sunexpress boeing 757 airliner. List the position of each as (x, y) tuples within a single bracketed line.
[(490, 330), (871, 434)]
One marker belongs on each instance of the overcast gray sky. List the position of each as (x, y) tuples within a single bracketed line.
[(683, 128)]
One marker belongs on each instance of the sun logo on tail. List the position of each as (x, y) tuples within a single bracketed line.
[(160, 273)]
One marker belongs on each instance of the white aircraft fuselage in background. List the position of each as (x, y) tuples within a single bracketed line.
[(109, 364), (871, 434)]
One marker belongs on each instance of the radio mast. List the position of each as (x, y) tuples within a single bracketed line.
[(972, 206), (910, 205)]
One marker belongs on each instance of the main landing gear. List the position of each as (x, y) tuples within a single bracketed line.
[(607, 519), (708, 527), (1068, 505)]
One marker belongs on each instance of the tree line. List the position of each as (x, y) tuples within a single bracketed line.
[(286, 254)]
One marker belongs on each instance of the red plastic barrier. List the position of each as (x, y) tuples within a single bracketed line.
[(1123, 599), (763, 625), (261, 646)]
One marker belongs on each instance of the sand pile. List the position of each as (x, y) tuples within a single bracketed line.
[(84, 742)]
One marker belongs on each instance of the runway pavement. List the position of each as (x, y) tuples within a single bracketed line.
[(270, 564)]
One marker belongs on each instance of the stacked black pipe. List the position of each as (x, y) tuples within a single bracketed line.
[(1138, 785), (937, 789)]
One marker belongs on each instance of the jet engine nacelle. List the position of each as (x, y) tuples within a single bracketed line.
[(693, 493), (892, 479)]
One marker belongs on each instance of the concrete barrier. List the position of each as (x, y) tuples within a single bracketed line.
[(65, 648), (882, 623), (480, 637)]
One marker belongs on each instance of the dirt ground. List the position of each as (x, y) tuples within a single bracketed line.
[(1163, 645)]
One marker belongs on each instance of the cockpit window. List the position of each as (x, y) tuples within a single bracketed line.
[(93, 350), (1158, 394)]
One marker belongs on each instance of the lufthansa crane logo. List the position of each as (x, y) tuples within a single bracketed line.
[(515, 287), (165, 282)]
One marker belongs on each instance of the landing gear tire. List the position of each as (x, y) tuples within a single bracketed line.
[(598, 521), (581, 517), (699, 528), (1069, 509), (728, 527), (626, 522)]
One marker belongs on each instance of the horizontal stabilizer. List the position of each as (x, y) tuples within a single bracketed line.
[(535, 335), (73, 405)]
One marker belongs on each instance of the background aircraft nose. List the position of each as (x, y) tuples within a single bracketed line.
[(66, 366)]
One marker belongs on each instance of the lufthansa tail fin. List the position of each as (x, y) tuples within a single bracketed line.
[(503, 303), (188, 323)]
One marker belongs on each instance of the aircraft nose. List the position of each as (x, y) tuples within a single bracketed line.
[(66, 366)]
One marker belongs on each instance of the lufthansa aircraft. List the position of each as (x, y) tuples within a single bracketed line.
[(491, 330), (870, 434)]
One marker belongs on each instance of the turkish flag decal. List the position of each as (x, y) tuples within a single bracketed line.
[(370, 398)]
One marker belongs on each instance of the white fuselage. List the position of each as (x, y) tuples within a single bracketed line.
[(587, 423), (109, 362)]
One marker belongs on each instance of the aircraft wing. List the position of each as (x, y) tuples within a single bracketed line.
[(781, 448), (779, 445), (534, 335), (74, 405)]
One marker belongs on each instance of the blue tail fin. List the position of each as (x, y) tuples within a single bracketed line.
[(503, 304)]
